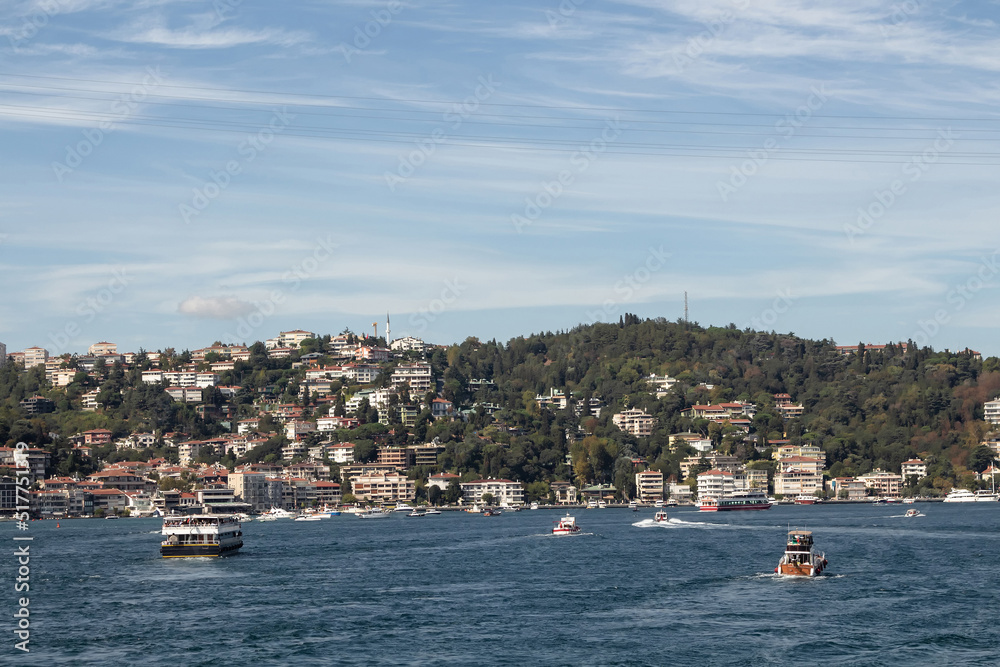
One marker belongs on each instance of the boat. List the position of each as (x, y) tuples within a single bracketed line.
[(739, 500), (806, 499), (800, 560), (267, 517), (403, 507), (430, 510), (534, 506), (633, 506), (566, 526), (909, 501), (960, 496), (658, 504), (418, 512), (475, 509), (592, 505), (308, 517), (984, 496), (602, 505), (671, 502), (200, 535), (491, 511), (912, 512), (279, 513), (892, 501), (661, 517), (373, 513), (111, 516)]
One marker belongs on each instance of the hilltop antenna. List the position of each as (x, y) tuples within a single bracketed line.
[(685, 307), (375, 326)]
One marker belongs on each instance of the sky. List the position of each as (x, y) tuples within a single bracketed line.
[(175, 173)]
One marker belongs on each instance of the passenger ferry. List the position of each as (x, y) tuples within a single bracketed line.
[(566, 526), (740, 500), (200, 535), (805, 499), (799, 559)]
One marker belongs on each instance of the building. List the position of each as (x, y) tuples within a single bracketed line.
[(37, 405), (713, 460), (649, 486), (715, 484), (102, 348), (290, 338), (504, 491), (882, 483), (636, 422), (417, 376), (398, 457), (407, 344), (913, 468), (991, 411), (441, 480), (35, 356), (384, 487), (254, 489), (847, 488), (442, 407), (564, 493)]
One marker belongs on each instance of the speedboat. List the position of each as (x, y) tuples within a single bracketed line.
[(430, 510), (111, 516), (279, 513), (373, 513), (308, 517), (912, 512), (403, 507), (799, 559), (566, 526), (417, 512), (661, 517)]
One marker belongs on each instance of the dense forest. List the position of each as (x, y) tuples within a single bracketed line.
[(873, 409)]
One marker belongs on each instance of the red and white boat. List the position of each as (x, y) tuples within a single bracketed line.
[(740, 500), (566, 526), (806, 500), (799, 559), (661, 517)]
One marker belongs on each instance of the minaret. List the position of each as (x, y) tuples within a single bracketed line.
[(387, 339)]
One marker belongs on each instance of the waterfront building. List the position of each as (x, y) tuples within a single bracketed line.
[(882, 483), (913, 468), (384, 487), (649, 486), (564, 492), (504, 491)]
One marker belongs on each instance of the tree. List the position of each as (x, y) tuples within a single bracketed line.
[(434, 494), (453, 493), (980, 458), (487, 498)]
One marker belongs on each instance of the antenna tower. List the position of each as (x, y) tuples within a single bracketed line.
[(685, 307)]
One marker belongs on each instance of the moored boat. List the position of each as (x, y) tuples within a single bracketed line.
[(534, 506), (200, 535), (373, 513), (431, 511), (633, 506), (799, 559), (566, 526), (960, 496), (806, 499), (984, 496), (308, 517), (418, 512)]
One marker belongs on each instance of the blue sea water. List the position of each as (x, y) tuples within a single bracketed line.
[(461, 589)]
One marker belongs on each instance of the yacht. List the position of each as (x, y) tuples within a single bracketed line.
[(430, 510), (984, 496), (278, 513), (200, 535), (418, 512), (373, 513), (960, 496), (403, 507), (309, 517)]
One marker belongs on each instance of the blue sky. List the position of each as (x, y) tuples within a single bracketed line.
[(183, 172)]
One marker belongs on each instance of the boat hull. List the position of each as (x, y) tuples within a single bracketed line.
[(199, 550), (565, 531), (800, 570)]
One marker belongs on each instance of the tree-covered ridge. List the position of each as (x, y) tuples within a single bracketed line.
[(872, 409)]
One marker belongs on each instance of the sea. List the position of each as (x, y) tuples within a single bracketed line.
[(464, 589)]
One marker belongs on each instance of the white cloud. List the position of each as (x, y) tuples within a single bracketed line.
[(214, 307)]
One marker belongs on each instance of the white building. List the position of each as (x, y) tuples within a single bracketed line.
[(35, 356), (384, 487), (991, 409), (407, 344), (649, 486), (103, 348), (504, 491), (914, 468), (417, 375), (715, 484), (636, 422)]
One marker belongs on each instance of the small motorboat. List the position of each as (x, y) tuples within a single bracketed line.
[(430, 510), (418, 512), (308, 517), (661, 517), (634, 506), (566, 526), (111, 516), (534, 506), (912, 512), (799, 559)]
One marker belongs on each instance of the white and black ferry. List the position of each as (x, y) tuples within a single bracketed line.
[(201, 535)]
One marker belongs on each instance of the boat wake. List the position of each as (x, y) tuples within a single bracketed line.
[(671, 523)]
